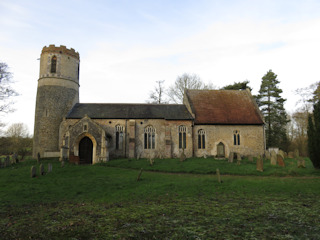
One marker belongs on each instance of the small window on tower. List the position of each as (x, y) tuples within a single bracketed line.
[(54, 64)]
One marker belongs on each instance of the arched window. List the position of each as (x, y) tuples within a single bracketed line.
[(53, 64), (149, 137), (182, 137), (201, 139), (119, 137), (236, 137)]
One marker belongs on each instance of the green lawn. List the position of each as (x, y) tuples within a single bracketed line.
[(173, 200)]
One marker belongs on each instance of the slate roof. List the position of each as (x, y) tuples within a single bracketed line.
[(224, 107), (130, 111)]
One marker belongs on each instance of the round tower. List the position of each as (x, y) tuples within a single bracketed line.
[(58, 91)]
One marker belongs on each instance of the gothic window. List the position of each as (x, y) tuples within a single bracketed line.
[(149, 137), (182, 137), (119, 137), (236, 137), (201, 139), (53, 64)]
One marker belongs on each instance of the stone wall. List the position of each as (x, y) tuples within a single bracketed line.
[(251, 139)]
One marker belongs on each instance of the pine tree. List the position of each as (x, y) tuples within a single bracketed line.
[(314, 136), (271, 106)]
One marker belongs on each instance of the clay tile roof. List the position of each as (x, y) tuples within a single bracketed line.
[(224, 107), (130, 111)]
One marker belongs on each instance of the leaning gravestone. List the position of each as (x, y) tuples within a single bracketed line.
[(259, 164), (33, 171), (49, 167), (273, 159), (301, 163), (231, 155), (280, 152), (280, 161), (41, 169)]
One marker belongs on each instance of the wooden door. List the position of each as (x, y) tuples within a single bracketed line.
[(85, 150)]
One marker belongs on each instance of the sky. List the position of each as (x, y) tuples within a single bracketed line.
[(126, 46)]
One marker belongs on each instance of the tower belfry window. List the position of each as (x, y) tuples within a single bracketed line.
[(53, 64)]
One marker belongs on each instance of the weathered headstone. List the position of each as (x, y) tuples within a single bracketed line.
[(281, 153), (182, 156), (259, 164), (290, 155), (151, 161), (139, 176), (49, 167), (301, 163), (273, 159), (250, 158), (218, 175), (296, 154), (38, 157), (280, 161), (62, 163), (33, 171), (41, 167), (268, 155), (231, 156), (285, 155)]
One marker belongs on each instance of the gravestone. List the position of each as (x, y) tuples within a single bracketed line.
[(38, 157), (281, 153), (231, 156), (139, 176), (62, 163), (250, 158), (151, 161), (33, 171), (280, 161), (290, 155), (49, 167), (259, 164), (183, 157), (218, 175), (301, 163), (273, 159), (41, 167), (268, 156), (296, 154)]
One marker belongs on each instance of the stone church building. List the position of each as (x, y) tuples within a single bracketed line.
[(208, 123)]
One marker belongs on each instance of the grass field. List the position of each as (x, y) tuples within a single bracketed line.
[(173, 200)]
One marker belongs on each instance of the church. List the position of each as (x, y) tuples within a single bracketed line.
[(208, 123)]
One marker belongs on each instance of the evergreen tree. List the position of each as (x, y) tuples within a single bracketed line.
[(314, 136), (271, 106), (238, 86)]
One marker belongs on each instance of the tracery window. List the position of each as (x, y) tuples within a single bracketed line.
[(53, 64), (182, 137), (236, 137), (149, 137), (201, 139), (119, 137)]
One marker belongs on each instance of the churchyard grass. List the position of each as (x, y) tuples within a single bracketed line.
[(105, 201)]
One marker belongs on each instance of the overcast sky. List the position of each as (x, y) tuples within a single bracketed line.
[(125, 46)]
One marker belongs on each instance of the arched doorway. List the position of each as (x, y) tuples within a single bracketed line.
[(85, 150), (220, 150)]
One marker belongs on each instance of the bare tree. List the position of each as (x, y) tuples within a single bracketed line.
[(17, 130), (186, 81), (158, 95), (6, 91)]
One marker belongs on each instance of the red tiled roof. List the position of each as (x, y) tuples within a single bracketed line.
[(224, 107)]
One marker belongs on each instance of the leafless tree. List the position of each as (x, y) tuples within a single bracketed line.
[(158, 95), (6, 91)]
